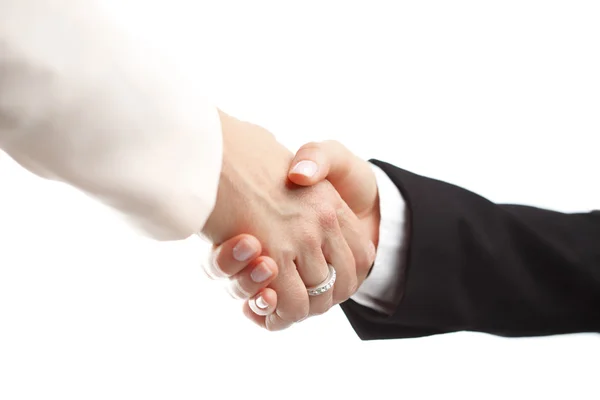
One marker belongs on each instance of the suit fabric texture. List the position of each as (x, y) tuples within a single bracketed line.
[(501, 269)]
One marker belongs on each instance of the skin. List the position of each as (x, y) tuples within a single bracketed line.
[(301, 228), (343, 170)]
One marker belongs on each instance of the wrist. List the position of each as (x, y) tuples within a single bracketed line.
[(253, 175)]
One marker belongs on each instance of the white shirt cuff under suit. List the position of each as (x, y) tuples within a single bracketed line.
[(382, 290)]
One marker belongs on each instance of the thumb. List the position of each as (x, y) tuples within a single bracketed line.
[(351, 176), (315, 162)]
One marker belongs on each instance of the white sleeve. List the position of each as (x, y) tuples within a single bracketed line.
[(382, 290), (83, 103)]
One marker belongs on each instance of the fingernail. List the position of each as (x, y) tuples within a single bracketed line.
[(243, 250), (261, 273), (306, 168), (261, 303)]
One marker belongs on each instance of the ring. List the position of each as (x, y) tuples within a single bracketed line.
[(325, 286)]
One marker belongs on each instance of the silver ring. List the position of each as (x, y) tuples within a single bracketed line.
[(325, 286)]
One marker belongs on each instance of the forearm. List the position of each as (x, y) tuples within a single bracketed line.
[(478, 266), (80, 103)]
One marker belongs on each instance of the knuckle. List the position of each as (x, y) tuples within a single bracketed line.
[(301, 314), (342, 214), (339, 298), (352, 286), (295, 313), (287, 255), (237, 290), (213, 271), (281, 327), (328, 217), (273, 323), (312, 241), (361, 257), (365, 263), (334, 145), (322, 308), (331, 142), (319, 311), (216, 265), (311, 146), (207, 270), (343, 292)]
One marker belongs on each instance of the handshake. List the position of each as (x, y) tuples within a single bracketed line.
[(294, 236)]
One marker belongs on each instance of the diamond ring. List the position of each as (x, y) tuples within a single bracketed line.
[(325, 286)]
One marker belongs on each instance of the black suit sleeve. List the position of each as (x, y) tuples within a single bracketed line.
[(478, 266)]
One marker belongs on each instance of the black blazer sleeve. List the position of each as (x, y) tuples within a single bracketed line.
[(474, 265)]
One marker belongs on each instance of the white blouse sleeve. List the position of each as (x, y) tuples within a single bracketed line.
[(82, 104)]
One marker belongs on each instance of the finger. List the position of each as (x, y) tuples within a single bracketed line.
[(256, 276), (232, 256), (311, 164), (262, 309), (339, 255), (331, 160), (313, 270), (292, 299), (262, 305), (358, 242), (273, 322)]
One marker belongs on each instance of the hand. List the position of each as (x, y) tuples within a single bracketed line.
[(249, 279), (351, 176), (302, 228)]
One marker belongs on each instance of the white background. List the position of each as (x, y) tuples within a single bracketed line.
[(501, 97)]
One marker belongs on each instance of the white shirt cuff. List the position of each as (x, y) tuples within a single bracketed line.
[(382, 290)]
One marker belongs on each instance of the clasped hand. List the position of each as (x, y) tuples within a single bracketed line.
[(278, 224)]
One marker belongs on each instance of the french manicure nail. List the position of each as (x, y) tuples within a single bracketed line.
[(306, 168), (243, 250), (261, 303), (260, 273)]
